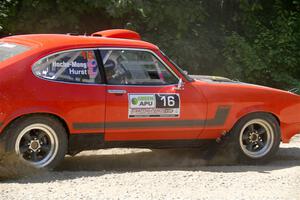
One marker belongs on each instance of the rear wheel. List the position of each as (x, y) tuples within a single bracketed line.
[(37, 140), (256, 138)]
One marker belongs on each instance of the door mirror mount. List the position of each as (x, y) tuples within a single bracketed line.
[(180, 85)]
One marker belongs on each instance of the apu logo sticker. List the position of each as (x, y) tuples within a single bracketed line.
[(142, 101)]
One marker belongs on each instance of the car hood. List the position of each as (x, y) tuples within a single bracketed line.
[(223, 80)]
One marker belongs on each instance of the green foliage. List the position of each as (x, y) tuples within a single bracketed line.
[(253, 41), (178, 30), (242, 61), (6, 8), (268, 52)]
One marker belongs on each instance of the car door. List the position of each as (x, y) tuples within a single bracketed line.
[(143, 101)]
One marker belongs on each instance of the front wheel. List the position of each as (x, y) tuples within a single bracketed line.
[(256, 138), (38, 140)]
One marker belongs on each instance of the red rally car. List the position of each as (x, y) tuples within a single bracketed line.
[(61, 94)]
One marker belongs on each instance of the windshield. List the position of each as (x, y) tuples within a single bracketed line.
[(178, 68), (8, 50)]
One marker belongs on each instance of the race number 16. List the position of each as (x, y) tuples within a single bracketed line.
[(167, 101)]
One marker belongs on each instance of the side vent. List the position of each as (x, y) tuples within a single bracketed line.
[(118, 33)]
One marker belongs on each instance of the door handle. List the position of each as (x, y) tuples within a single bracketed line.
[(117, 91)]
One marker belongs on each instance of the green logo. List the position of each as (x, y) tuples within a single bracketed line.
[(134, 101)]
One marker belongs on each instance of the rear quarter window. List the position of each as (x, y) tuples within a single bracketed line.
[(76, 66), (9, 50)]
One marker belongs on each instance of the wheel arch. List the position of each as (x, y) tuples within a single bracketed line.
[(252, 113), (43, 114)]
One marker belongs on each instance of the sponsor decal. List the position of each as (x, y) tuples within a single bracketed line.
[(153, 105), (73, 68), (92, 68), (142, 101), (69, 64), (88, 68)]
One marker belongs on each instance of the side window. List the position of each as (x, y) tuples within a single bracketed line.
[(133, 67), (79, 66)]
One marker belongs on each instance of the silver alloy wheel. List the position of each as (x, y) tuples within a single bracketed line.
[(37, 144), (256, 138)]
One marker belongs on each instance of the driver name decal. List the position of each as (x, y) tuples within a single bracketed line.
[(153, 105)]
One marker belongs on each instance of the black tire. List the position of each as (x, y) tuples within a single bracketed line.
[(44, 133), (255, 144)]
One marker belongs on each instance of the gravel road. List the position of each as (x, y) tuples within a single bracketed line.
[(161, 174)]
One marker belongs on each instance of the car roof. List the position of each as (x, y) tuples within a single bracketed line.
[(50, 41)]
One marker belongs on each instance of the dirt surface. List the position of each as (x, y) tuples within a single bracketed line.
[(161, 174)]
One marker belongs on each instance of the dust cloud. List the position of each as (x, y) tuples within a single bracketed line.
[(149, 159), (11, 167)]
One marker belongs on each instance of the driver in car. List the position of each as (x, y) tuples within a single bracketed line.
[(112, 75)]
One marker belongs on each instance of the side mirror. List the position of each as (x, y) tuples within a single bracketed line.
[(180, 85)]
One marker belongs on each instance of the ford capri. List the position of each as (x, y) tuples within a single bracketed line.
[(61, 94)]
